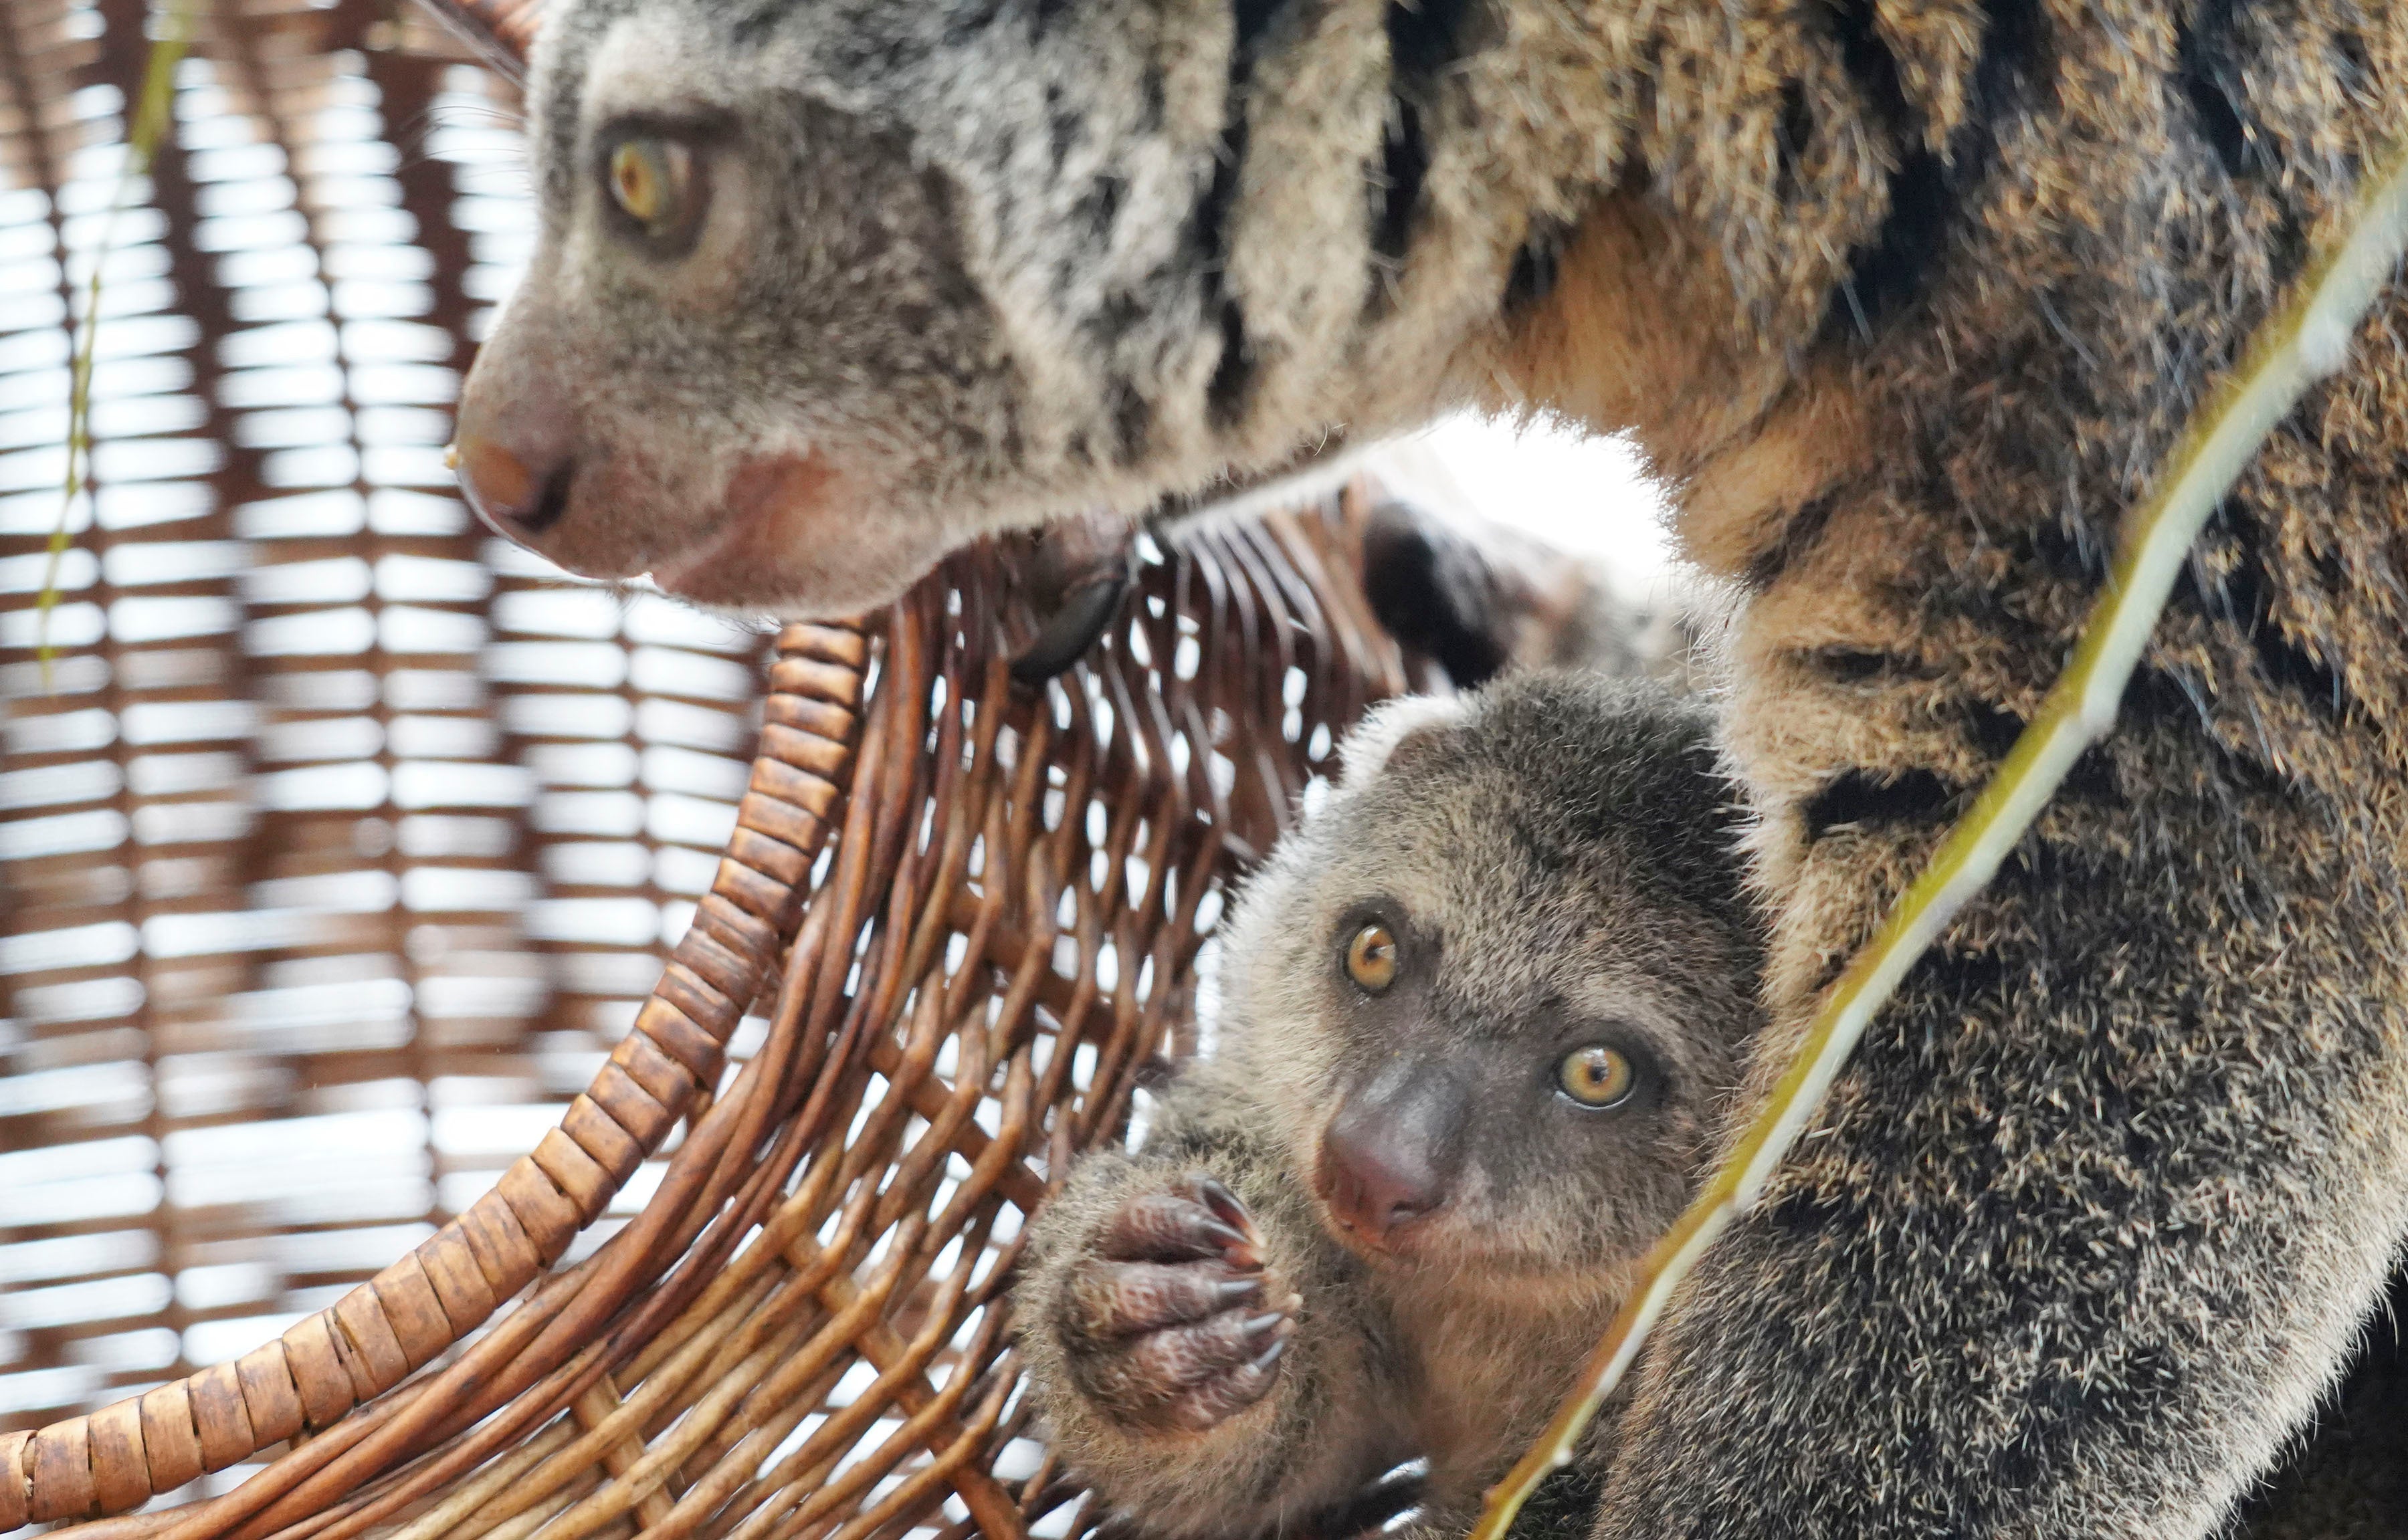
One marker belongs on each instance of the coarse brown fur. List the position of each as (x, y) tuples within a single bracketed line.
[(1557, 855), (1909, 296)]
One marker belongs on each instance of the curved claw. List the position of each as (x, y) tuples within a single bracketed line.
[(1172, 1323), (1123, 1298), (1219, 1399), (1225, 1206), (1080, 571), (1192, 1377), (1168, 1227)]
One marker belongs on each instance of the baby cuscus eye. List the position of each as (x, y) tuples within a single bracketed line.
[(651, 179), (1371, 957), (1596, 1076)]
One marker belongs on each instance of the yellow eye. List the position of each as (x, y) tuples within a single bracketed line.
[(1596, 1075), (648, 178), (1371, 957)]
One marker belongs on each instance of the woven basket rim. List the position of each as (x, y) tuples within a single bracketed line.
[(381, 1332)]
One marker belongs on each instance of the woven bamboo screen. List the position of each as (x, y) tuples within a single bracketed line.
[(342, 848)]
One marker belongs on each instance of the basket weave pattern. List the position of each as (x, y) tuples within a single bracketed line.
[(964, 912), (419, 1307), (1002, 937)]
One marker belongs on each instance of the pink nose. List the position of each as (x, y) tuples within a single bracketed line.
[(1376, 1176), (514, 458)]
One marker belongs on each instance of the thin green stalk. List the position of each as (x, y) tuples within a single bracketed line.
[(2305, 340), (153, 113)]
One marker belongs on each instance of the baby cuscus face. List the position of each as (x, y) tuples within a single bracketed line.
[(1492, 991)]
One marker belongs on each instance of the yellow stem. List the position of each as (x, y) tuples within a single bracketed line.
[(2304, 340), (153, 113)]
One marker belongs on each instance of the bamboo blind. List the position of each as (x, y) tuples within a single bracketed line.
[(341, 849)]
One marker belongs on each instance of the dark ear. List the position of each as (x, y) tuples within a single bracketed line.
[(1481, 599), (1437, 593)]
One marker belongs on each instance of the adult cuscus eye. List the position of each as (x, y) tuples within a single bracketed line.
[(651, 180), (1371, 957), (1596, 1076)]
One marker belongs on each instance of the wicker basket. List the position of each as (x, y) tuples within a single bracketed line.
[(966, 907)]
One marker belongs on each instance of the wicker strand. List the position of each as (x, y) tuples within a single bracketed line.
[(690, 1216), (998, 938), (415, 1310)]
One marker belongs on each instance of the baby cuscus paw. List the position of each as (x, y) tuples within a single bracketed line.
[(1173, 1323)]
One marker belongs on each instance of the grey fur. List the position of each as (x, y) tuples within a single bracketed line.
[(1908, 296), (1557, 852)]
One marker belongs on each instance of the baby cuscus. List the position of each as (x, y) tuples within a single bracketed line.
[(1480, 1013)]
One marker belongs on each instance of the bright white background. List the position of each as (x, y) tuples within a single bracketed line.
[(1585, 495)]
